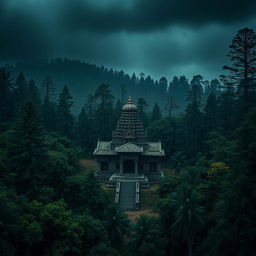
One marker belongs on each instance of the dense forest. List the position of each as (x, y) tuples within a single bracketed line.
[(83, 78), (208, 130)]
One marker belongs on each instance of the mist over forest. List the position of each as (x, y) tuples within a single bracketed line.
[(83, 78)]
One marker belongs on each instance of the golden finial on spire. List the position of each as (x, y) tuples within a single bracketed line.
[(130, 100), (129, 106)]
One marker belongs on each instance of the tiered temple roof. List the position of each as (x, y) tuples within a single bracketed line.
[(129, 136), (129, 127)]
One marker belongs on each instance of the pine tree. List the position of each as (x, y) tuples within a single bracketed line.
[(142, 108), (156, 113), (49, 115), (33, 94), (118, 110), (27, 151), (211, 114), (196, 89), (20, 92), (170, 105), (65, 122), (85, 133), (104, 111), (193, 119), (6, 102), (242, 72), (90, 106), (123, 92)]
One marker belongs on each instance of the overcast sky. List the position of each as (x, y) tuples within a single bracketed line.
[(157, 37)]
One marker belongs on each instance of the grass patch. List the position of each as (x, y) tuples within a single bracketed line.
[(148, 197), (87, 165), (168, 171)]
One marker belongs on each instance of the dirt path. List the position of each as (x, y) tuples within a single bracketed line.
[(134, 215)]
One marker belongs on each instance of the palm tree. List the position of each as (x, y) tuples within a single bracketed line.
[(187, 212), (146, 236), (117, 225)]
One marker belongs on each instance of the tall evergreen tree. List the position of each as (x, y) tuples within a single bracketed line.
[(142, 109), (118, 110), (156, 113), (27, 151), (193, 120), (33, 94), (90, 106), (171, 105), (65, 122), (211, 114), (20, 92), (242, 71), (85, 132), (6, 99), (228, 110), (104, 111), (196, 89), (48, 109)]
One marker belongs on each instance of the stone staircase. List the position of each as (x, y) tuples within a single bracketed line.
[(127, 195)]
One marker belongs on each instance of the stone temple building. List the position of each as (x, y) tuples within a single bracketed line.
[(129, 156)]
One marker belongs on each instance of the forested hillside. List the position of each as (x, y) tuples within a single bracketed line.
[(83, 78), (207, 201)]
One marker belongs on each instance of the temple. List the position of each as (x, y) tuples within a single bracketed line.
[(129, 156)]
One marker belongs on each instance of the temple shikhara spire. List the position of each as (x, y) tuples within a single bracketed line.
[(129, 159), (129, 127)]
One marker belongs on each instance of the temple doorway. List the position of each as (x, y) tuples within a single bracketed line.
[(128, 166)]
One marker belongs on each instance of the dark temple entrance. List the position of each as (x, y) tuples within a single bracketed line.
[(129, 166)]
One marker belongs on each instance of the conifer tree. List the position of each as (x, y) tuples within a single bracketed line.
[(142, 110), (85, 133), (65, 122), (170, 105), (6, 99), (104, 111), (49, 117), (118, 110), (27, 151), (211, 113), (156, 113), (193, 119), (241, 77), (20, 92), (33, 94)]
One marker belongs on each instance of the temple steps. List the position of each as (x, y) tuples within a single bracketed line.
[(127, 195)]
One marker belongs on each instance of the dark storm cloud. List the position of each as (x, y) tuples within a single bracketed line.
[(158, 37), (21, 34), (148, 15)]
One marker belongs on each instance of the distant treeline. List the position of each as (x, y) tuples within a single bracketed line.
[(83, 78)]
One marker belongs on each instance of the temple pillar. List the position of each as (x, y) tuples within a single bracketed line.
[(136, 167), (121, 167), (158, 167)]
